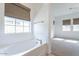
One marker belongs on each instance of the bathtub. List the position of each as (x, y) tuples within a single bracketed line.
[(19, 48)]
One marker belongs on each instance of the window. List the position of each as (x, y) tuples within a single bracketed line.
[(66, 25), (75, 27), (76, 24), (66, 28), (17, 18), (9, 25), (71, 25), (13, 25), (19, 26), (27, 26)]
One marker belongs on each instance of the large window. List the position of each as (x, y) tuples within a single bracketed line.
[(17, 18), (13, 25)]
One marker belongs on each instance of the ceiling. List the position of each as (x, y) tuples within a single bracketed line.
[(56, 9), (59, 9)]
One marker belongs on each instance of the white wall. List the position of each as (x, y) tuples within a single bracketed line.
[(1, 17), (41, 29), (58, 26)]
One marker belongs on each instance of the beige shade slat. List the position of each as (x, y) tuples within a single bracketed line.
[(76, 21), (66, 22), (17, 10)]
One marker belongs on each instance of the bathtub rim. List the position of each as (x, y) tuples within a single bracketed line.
[(22, 53)]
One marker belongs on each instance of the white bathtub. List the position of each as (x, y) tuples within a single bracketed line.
[(18, 49)]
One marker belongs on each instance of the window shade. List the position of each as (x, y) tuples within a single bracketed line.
[(76, 21), (66, 22), (17, 10)]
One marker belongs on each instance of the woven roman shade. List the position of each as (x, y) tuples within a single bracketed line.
[(66, 22), (76, 21), (17, 10)]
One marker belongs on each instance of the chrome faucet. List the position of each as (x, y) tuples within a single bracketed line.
[(39, 41)]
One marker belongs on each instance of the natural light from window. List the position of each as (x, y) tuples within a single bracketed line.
[(13, 25), (59, 39), (66, 40), (70, 25), (75, 27), (66, 28), (71, 41)]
